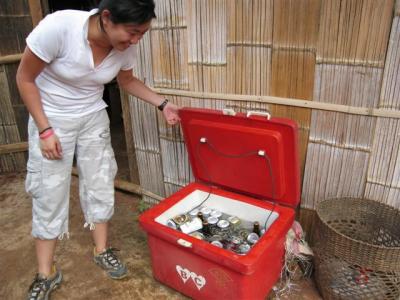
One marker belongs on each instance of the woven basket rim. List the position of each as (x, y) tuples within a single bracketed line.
[(347, 237)]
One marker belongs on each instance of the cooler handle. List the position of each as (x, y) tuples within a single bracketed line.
[(258, 113), (184, 243), (229, 112)]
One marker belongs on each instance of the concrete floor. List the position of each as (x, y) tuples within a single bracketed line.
[(82, 279)]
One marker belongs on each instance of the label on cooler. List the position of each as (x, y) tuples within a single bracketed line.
[(186, 274)]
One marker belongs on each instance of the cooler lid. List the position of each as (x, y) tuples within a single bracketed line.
[(253, 155)]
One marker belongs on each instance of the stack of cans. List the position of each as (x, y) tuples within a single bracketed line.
[(219, 229)]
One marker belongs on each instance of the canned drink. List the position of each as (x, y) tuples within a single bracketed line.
[(223, 224), (193, 213), (216, 213), (235, 221), (212, 223), (236, 240), (198, 235), (233, 243), (205, 211), (252, 238), (215, 237), (244, 233), (171, 224), (217, 244), (243, 248), (180, 219), (191, 226), (212, 220)]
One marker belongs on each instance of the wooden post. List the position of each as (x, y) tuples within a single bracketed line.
[(130, 146), (35, 8)]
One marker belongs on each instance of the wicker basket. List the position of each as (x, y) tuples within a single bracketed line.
[(357, 250)]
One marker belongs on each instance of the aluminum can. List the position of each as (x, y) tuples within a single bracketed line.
[(191, 226), (216, 213), (205, 211), (215, 237), (244, 233), (223, 225), (243, 248), (235, 221), (212, 223), (217, 244), (198, 235), (171, 224), (193, 213), (233, 243), (180, 219), (253, 238)]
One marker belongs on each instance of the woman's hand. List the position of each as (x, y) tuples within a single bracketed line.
[(171, 114), (51, 147)]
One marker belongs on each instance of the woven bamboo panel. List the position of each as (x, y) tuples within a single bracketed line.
[(390, 95), (383, 182), (9, 133), (293, 77), (354, 31), (333, 172), (296, 24), (170, 13), (248, 70), (143, 67), (207, 45), (170, 58), (250, 22), (341, 142)]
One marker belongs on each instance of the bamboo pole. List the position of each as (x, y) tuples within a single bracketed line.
[(9, 59), (364, 111), (11, 148)]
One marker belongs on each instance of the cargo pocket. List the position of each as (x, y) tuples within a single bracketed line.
[(33, 182), (113, 165)]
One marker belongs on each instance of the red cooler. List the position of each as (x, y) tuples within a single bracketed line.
[(246, 166)]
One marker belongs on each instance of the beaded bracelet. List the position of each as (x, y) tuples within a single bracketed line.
[(46, 134)]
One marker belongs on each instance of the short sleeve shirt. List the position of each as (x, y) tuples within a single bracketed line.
[(70, 85)]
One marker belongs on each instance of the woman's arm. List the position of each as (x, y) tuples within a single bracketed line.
[(135, 87), (29, 68)]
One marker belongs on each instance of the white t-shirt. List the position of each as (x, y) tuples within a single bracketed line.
[(70, 85)]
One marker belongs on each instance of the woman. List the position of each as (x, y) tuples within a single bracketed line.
[(69, 57)]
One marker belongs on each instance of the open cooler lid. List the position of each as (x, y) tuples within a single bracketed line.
[(252, 155)]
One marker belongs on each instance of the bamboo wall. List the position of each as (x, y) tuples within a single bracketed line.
[(16, 21), (342, 57)]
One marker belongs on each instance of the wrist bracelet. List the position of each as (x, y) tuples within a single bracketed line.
[(162, 105), (44, 130), (46, 134)]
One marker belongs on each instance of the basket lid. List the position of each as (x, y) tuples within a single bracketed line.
[(250, 155)]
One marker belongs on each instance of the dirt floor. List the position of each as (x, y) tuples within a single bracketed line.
[(82, 278)]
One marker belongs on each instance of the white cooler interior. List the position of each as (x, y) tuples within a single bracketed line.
[(226, 205)]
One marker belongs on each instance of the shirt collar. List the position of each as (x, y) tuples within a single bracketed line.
[(86, 24)]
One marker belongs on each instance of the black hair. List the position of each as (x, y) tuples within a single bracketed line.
[(129, 11)]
